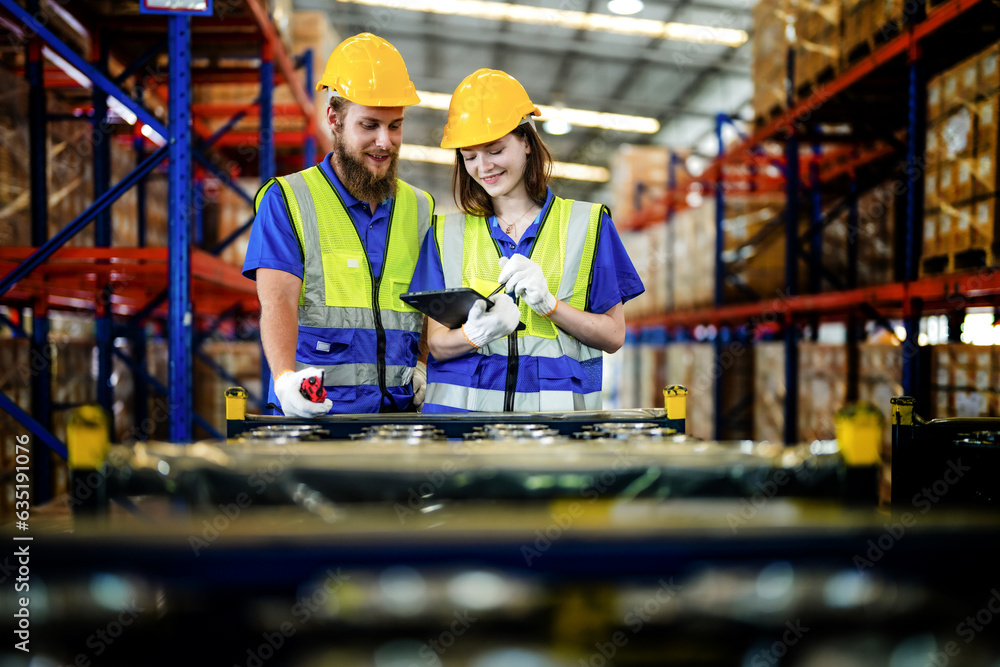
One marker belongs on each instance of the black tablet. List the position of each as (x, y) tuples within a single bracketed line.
[(450, 307)]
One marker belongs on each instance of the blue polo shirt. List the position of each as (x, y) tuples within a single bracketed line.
[(614, 281), (273, 244)]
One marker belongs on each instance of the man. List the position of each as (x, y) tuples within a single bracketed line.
[(332, 248)]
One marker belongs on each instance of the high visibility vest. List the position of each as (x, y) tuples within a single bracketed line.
[(352, 325), (541, 367)]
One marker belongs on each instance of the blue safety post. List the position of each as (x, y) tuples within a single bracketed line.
[(791, 263), (99, 80), (140, 393), (266, 161), (815, 222), (180, 315), (915, 160), (309, 149), (41, 373), (101, 137)]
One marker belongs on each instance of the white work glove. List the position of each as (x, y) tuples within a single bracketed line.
[(484, 326), (287, 388), (419, 384), (525, 279)]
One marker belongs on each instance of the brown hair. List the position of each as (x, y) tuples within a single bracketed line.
[(472, 199)]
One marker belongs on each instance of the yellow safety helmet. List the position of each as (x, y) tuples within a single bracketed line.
[(368, 70), (486, 106)]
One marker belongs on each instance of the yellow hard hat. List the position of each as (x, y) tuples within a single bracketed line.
[(486, 106), (368, 70)]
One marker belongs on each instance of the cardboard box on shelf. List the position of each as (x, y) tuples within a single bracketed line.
[(989, 71), (931, 244), (935, 95), (769, 391), (985, 173), (822, 389), (638, 178)]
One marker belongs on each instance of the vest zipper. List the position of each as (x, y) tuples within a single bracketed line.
[(380, 339), (512, 365)]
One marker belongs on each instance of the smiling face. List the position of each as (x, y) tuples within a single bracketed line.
[(366, 144), (499, 165)]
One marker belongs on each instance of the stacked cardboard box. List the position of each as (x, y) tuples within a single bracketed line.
[(868, 23), (241, 359), (817, 48), (964, 381), (694, 256), (822, 389), (960, 183), (774, 33), (769, 391), (638, 178), (637, 247)]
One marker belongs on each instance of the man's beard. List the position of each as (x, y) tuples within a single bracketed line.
[(359, 180)]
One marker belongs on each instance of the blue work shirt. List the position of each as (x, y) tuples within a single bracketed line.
[(614, 281), (273, 244)]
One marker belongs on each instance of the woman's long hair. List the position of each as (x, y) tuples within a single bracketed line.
[(472, 199)]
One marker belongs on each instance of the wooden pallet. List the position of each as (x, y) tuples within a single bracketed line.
[(869, 43), (820, 79), (962, 260)]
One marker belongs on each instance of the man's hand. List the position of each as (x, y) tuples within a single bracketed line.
[(288, 386), (526, 280)]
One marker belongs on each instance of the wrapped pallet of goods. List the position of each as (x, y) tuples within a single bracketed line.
[(774, 33), (960, 182), (964, 381), (769, 391), (817, 47), (754, 247), (870, 23), (694, 252), (822, 388)]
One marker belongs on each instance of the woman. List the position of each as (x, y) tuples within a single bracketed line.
[(562, 259)]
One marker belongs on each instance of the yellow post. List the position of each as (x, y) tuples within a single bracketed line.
[(675, 401), (902, 410), (236, 403), (859, 433), (87, 437)]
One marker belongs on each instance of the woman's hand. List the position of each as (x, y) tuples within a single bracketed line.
[(526, 280)]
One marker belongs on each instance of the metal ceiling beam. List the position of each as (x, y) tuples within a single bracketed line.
[(567, 61)]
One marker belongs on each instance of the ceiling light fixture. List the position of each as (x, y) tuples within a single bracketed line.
[(570, 170), (568, 19), (580, 117), (625, 7), (556, 126)]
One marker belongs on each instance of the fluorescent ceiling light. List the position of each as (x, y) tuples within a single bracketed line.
[(153, 135), (570, 170), (568, 19), (556, 126), (625, 7), (579, 117)]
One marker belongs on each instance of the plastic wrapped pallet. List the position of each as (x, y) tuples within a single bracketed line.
[(822, 388), (876, 222), (769, 391), (963, 380)]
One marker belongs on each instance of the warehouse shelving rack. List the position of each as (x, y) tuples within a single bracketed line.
[(142, 282), (890, 85)]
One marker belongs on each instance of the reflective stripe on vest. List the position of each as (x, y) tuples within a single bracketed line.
[(337, 284), (566, 243)]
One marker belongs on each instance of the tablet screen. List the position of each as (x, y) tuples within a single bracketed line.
[(450, 307)]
